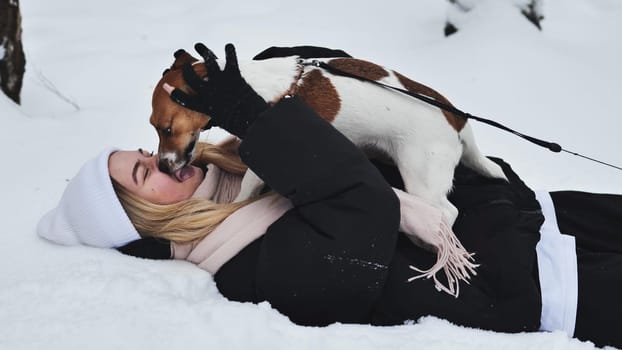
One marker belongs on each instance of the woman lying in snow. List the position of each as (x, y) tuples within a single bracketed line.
[(325, 243)]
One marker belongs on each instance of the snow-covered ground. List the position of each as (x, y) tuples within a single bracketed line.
[(93, 64)]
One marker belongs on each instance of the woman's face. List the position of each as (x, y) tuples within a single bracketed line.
[(138, 172)]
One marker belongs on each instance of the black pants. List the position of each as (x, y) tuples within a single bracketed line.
[(595, 220)]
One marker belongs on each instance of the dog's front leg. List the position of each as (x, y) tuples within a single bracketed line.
[(251, 186)]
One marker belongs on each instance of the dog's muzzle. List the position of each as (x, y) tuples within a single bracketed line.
[(168, 166)]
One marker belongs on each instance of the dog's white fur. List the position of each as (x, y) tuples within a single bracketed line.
[(417, 136)]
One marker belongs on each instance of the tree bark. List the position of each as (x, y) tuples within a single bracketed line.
[(12, 59)]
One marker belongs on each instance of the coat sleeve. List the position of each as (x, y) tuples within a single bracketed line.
[(499, 221), (325, 260), (148, 248)]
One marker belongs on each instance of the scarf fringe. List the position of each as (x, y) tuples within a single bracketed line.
[(453, 259)]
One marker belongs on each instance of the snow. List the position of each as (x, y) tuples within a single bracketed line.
[(91, 67)]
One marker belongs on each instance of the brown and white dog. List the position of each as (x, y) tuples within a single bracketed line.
[(424, 142)]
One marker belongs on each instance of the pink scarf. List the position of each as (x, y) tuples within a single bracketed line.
[(218, 185), (421, 222)]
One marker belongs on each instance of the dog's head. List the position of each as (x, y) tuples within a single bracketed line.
[(178, 128)]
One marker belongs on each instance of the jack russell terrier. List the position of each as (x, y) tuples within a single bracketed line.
[(424, 142)]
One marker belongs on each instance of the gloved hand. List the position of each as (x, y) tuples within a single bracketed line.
[(225, 96)]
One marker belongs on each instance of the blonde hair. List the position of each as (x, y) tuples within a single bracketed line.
[(223, 155), (191, 219)]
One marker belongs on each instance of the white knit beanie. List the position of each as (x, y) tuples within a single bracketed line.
[(89, 212)]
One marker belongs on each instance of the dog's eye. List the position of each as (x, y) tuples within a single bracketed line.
[(167, 132)]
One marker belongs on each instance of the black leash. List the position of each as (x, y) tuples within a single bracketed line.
[(548, 145)]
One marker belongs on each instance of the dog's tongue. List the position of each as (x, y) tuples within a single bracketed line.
[(184, 173)]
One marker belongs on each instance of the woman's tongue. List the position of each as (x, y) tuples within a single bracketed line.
[(184, 173)]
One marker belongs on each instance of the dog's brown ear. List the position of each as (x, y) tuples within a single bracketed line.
[(181, 57)]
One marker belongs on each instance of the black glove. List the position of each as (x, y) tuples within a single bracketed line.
[(225, 96)]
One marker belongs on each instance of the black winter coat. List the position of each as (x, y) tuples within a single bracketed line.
[(337, 256)]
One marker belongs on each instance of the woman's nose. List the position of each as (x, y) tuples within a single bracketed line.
[(153, 162)]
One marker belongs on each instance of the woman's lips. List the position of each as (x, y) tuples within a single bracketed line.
[(184, 173)]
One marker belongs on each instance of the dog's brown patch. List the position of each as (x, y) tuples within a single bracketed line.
[(183, 122), (360, 68), (165, 109), (320, 94), (455, 121), (182, 57)]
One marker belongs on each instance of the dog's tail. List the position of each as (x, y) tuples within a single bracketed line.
[(474, 159)]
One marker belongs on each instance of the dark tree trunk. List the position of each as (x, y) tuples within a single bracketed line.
[(531, 9), (12, 60), (532, 13)]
